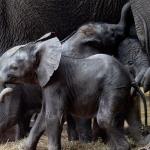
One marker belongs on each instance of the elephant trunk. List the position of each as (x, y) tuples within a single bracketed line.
[(125, 11), (5, 92), (146, 81)]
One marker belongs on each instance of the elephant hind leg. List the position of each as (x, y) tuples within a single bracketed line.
[(98, 132), (109, 107), (71, 128)]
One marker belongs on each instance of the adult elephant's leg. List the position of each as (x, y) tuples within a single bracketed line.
[(135, 125), (107, 117), (36, 131), (84, 130), (71, 128), (141, 12)]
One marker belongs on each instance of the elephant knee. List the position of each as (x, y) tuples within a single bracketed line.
[(103, 122)]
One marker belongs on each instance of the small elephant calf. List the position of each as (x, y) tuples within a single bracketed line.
[(96, 86), (18, 108)]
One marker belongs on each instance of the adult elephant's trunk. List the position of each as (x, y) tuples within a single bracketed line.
[(141, 13), (146, 81), (5, 92)]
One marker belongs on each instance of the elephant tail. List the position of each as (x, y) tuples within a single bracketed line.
[(138, 90)]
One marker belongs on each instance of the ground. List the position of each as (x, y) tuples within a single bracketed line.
[(66, 144)]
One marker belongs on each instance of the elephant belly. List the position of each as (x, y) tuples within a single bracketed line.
[(84, 101), (84, 107)]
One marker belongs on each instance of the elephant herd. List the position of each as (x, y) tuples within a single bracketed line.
[(87, 70)]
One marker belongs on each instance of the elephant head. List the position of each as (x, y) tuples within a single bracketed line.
[(35, 61)]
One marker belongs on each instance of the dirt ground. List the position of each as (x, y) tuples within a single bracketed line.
[(18, 145)]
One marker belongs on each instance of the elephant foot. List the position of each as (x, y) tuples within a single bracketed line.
[(73, 136), (120, 147), (124, 146), (85, 138), (28, 148), (118, 142), (144, 141)]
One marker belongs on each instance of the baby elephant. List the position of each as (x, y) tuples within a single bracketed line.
[(96, 86), (18, 108)]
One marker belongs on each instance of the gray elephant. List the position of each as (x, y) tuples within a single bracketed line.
[(131, 55), (94, 86), (18, 107)]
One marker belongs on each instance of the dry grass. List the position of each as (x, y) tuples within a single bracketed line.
[(18, 145)]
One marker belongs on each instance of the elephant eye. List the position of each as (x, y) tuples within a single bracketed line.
[(13, 67)]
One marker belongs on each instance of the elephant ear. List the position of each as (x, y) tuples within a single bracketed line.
[(49, 53), (141, 13)]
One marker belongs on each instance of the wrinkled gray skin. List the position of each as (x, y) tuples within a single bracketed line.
[(77, 87), (131, 55), (25, 20), (18, 108)]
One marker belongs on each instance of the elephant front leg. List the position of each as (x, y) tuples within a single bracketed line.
[(135, 125), (36, 131), (84, 129), (53, 132), (54, 116)]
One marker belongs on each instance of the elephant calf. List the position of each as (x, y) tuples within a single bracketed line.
[(18, 108), (96, 86)]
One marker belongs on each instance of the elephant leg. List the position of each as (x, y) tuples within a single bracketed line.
[(84, 130), (107, 118), (36, 131), (98, 132), (23, 127), (54, 114), (71, 128), (135, 125)]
